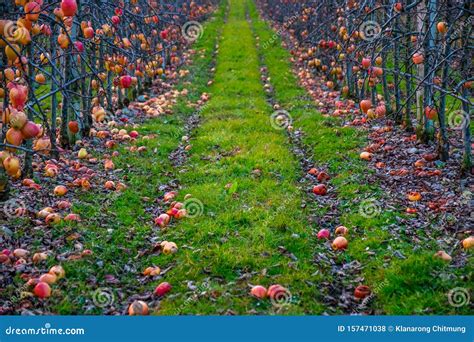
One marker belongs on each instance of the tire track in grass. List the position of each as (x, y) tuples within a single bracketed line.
[(341, 275), (252, 230)]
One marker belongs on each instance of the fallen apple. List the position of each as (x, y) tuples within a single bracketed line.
[(341, 230), (60, 190), (366, 156), (42, 290), (323, 234), (72, 217), (258, 291), (323, 177), (361, 291), (38, 257), (109, 185), (43, 213), (414, 196), (82, 154), (20, 253), (58, 271), (48, 278), (53, 219), (443, 256), (63, 205), (162, 220), (138, 308), (4, 259), (320, 190), (152, 271), (275, 291), (169, 196), (120, 186), (468, 243), (339, 243), (20, 262), (162, 289), (169, 248)]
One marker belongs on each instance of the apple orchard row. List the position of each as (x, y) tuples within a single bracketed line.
[(410, 61), (67, 65)]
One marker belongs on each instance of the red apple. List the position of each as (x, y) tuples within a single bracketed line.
[(79, 46), (366, 63), (361, 291), (258, 291), (320, 190), (115, 20), (72, 217), (162, 220), (42, 290), (431, 112), (164, 34), (323, 234), (73, 126), (125, 81), (323, 177), (162, 289), (69, 7), (30, 130), (365, 105)]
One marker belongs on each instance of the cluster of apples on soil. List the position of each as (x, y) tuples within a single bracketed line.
[(38, 285)]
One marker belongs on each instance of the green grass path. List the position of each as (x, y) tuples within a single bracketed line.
[(252, 230)]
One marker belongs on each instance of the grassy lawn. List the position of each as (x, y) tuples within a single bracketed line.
[(238, 239)]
